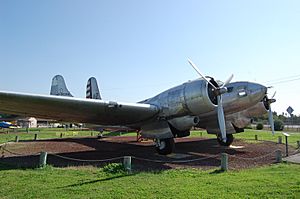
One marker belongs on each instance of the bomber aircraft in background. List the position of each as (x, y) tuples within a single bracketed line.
[(221, 108)]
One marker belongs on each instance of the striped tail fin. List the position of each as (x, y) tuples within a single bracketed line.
[(58, 87), (92, 90)]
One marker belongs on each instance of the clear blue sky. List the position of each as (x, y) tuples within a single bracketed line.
[(137, 49)]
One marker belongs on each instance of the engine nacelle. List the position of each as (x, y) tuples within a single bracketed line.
[(191, 98), (184, 123)]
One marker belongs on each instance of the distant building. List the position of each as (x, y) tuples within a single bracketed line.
[(30, 122)]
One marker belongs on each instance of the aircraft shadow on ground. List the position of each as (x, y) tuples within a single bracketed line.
[(106, 149)]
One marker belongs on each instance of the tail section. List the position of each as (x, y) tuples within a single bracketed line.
[(58, 87), (92, 90)]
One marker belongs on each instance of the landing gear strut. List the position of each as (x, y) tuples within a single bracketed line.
[(228, 142), (164, 146)]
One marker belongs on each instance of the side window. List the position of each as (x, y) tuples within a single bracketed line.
[(242, 91)]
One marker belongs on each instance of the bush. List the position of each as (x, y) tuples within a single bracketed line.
[(114, 168), (259, 126), (278, 125)]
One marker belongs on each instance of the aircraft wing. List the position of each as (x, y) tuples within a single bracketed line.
[(75, 109)]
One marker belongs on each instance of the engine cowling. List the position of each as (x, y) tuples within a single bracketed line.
[(191, 98), (184, 123)]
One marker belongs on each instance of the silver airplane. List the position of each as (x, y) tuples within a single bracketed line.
[(221, 108)]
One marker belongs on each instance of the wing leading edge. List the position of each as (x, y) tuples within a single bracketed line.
[(76, 109)]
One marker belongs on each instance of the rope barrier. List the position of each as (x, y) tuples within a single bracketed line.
[(3, 148), (20, 154), (80, 160), (175, 161)]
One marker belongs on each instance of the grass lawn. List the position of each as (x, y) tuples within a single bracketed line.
[(276, 181), (249, 134)]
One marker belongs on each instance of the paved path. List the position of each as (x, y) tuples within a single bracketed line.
[(293, 158)]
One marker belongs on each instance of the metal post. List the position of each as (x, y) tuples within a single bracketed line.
[(17, 139), (256, 138), (279, 140), (127, 163), (61, 135), (35, 136), (43, 159), (224, 161), (278, 156), (286, 144)]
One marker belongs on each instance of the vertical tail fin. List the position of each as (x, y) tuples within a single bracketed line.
[(92, 90), (58, 87)]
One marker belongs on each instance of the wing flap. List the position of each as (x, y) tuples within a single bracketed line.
[(76, 109)]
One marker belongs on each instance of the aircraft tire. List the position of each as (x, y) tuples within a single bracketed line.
[(228, 141), (166, 146)]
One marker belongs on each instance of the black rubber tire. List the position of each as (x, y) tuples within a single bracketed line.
[(168, 146), (228, 142)]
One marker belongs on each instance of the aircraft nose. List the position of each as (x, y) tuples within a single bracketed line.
[(257, 91)]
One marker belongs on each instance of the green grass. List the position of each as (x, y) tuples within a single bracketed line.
[(276, 181), (43, 133), (49, 133), (249, 134)]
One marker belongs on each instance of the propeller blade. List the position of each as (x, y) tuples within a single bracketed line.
[(273, 95), (271, 121), (221, 118), (198, 71), (228, 80)]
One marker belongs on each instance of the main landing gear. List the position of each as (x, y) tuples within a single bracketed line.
[(164, 146), (228, 142)]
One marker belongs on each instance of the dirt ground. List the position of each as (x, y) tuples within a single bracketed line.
[(189, 153)]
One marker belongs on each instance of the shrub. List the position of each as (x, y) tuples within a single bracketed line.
[(114, 168), (259, 126), (278, 125)]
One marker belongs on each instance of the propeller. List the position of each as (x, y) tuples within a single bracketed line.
[(270, 113), (218, 91)]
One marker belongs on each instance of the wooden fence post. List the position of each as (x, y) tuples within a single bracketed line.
[(224, 161), (127, 163), (17, 139), (43, 159), (279, 140), (278, 156)]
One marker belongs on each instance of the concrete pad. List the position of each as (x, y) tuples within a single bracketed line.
[(236, 147), (293, 158)]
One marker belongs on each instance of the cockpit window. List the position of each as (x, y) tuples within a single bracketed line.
[(229, 89)]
